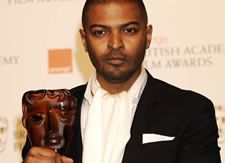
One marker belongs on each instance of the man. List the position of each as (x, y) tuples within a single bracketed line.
[(124, 114)]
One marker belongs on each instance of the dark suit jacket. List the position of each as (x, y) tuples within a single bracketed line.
[(166, 110)]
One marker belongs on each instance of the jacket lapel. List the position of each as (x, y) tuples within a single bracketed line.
[(140, 122)]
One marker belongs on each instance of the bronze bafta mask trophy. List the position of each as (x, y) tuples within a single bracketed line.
[(49, 117)]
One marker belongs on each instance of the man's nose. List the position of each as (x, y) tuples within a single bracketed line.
[(115, 41)]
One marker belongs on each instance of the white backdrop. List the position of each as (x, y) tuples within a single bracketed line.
[(188, 50)]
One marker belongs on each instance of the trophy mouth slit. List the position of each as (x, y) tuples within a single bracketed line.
[(54, 143)]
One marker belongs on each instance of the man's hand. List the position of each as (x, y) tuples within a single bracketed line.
[(44, 155)]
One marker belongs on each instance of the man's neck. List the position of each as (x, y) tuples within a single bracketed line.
[(114, 88)]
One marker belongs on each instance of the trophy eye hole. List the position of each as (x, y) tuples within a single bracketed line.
[(37, 118), (64, 115)]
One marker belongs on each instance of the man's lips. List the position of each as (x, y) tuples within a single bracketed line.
[(116, 60)]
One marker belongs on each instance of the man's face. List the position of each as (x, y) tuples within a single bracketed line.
[(116, 38), (49, 118)]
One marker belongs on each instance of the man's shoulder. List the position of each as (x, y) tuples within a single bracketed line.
[(185, 104), (173, 94)]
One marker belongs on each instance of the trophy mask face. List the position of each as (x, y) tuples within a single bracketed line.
[(49, 116)]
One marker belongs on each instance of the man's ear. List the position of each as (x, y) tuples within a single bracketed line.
[(148, 36), (83, 39)]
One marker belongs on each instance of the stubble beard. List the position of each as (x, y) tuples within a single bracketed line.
[(118, 76)]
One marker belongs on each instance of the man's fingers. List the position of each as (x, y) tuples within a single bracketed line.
[(39, 159), (66, 159), (39, 151), (43, 155)]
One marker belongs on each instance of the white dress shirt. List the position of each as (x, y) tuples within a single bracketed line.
[(114, 135)]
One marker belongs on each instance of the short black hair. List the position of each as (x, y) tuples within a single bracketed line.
[(88, 3)]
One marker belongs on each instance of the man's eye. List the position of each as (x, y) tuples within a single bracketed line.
[(130, 30), (99, 33)]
